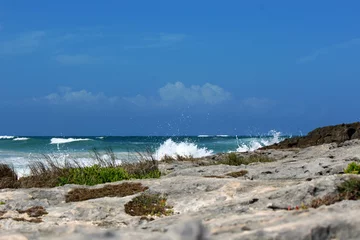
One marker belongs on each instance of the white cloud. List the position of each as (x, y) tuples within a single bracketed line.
[(22, 44), (77, 59), (139, 100), (178, 93), (327, 50), (66, 95)]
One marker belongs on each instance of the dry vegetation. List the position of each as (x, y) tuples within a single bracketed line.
[(237, 160), (347, 190), (36, 211), (240, 173), (148, 204), (8, 176), (234, 159), (119, 190)]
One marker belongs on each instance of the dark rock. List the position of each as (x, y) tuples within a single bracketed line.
[(329, 134)]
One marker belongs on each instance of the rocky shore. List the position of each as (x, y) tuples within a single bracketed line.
[(269, 200)]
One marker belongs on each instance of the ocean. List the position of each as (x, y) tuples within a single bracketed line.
[(20, 150)]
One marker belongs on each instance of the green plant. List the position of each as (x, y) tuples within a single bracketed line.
[(350, 189), (2, 203), (148, 204), (48, 172), (93, 175), (347, 190), (352, 168)]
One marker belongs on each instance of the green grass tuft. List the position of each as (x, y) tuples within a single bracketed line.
[(48, 172), (352, 168)]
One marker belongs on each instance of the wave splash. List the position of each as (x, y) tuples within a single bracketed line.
[(184, 149), (21, 139), (6, 137), (67, 140), (255, 144)]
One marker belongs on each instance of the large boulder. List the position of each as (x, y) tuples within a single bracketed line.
[(329, 134)]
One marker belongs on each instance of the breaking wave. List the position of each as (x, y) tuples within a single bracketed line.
[(21, 139), (185, 149), (6, 137), (256, 143), (67, 140)]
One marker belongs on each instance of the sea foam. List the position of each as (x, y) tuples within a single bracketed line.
[(21, 139), (204, 136), (185, 149), (6, 137), (257, 143), (67, 140)]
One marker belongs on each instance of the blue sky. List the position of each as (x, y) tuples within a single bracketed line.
[(177, 67)]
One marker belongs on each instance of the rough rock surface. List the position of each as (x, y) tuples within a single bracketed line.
[(329, 134), (253, 206)]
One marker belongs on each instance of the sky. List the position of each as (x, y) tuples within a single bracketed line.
[(177, 67)]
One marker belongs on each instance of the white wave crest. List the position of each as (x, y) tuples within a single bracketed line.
[(100, 137), (223, 135), (257, 143), (21, 139), (185, 149), (204, 136), (67, 140), (6, 137)]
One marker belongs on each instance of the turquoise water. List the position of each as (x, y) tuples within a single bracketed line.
[(19, 151)]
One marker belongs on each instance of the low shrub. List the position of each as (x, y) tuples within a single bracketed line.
[(2, 213), (237, 174), (236, 160), (120, 190), (8, 176), (347, 190), (33, 220), (350, 189), (36, 211), (179, 158), (142, 169), (352, 168), (93, 175), (326, 200), (213, 176), (148, 204)]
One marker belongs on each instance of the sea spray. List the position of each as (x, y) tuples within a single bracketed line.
[(6, 137), (185, 149), (256, 143), (21, 139), (67, 140)]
